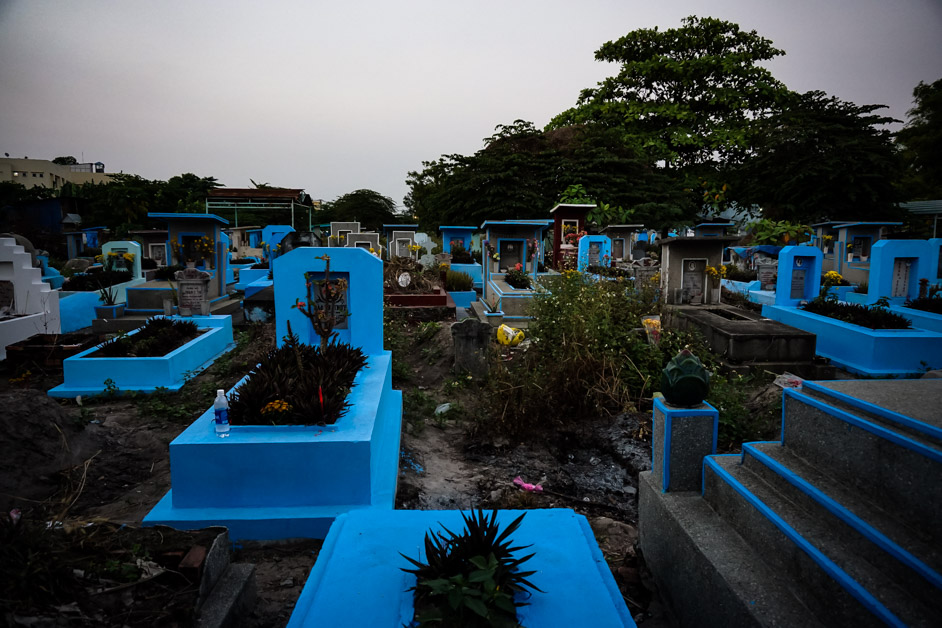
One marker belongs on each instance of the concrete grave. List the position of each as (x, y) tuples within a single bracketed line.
[(339, 231), (799, 275), (400, 244), (293, 480), (364, 547), (594, 250), (366, 241), (113, 257), (85, 374), (29, 305), (683, 268)]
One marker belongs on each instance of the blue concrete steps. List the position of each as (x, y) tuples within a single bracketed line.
[(835, 581), (846, 507), (883, 540), (875, 457)]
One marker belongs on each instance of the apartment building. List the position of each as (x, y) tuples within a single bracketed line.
[(43, 173)]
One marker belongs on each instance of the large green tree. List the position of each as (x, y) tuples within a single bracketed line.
[(521, 173), (370, 208), (687, 98), (820, 158), (921, 144)]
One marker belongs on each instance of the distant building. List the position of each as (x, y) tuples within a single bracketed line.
[(43, 173)]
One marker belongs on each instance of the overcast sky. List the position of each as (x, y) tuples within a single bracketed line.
[(336, 96)]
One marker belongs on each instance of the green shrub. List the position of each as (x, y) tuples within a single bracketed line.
[(607, 271), (872, 317), (156, 337), (90, 282), (517, 278), (459, 254), (588, 357), (737, 273), (927, 304), (457, 281)]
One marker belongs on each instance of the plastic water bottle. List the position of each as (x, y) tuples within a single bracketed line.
[(221, 411)]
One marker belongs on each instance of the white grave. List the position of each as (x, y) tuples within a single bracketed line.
[(29, 305)]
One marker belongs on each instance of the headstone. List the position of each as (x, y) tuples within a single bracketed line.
[(768, 276), (363, 326), (618, 248), (471, 338), (901, 268), (366, 241), (594, 254), (400, 244), (429, 261), (339, 232), (692, 281), (797, 284), (193, 291)]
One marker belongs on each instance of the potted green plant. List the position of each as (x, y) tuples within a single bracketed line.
[(470, 579)]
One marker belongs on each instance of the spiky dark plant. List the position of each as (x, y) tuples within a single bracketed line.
[(156, 337), (872, 317), (470, 579), (297, 384)]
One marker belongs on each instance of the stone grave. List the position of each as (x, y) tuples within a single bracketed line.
[(400, 244), (683, 268), (799, 275), (367, 241), (339, 231), (114, 257)]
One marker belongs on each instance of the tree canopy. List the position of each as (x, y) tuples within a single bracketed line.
[(522, 172), (820, 158), (371, 209), (921, 144), (684, 96)]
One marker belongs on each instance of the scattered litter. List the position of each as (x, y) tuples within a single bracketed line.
[(442, 409), (787, 380), (287, 582), (530, 488), (594, 461)]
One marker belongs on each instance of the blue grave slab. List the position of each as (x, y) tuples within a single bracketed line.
[(288, 481), (268, 482), (357, 580), (85, 375)]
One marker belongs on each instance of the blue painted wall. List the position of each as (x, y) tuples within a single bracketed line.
[(883, 255), (456, 233), (272, 235), (364, 294), (800, 258), (605, 249)]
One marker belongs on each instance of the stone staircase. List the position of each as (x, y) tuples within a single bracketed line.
[(836, 524)]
